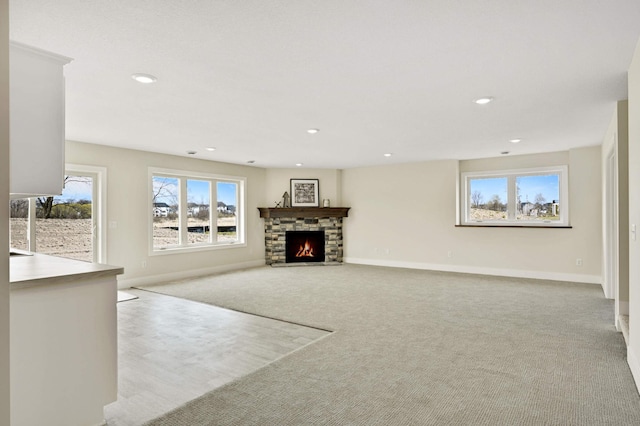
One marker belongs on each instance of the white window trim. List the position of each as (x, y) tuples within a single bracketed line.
[(511, 174), (99, 206), (98, 210), (213, 244)]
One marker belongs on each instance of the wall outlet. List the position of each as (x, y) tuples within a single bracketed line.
[(144, 264), (449, 254), (387, 251), (578, 262)]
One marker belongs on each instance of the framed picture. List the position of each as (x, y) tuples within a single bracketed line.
[(305, 192)]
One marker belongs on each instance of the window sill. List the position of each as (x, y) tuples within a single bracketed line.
[(495, 225)]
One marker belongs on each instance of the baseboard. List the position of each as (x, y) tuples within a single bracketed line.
[(192, 273), (124, 283), (634, 366), (516, 273)]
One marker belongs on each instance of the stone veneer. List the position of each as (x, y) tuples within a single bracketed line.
[(275, 229)]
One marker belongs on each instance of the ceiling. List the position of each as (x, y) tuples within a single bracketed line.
[(251, 77)]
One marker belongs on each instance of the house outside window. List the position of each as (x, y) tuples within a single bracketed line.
[(522, 197), (195, 211)]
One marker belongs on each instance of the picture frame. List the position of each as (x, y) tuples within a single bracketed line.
[(305, 192)]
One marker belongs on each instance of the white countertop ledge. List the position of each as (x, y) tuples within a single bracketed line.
[(40, 269)]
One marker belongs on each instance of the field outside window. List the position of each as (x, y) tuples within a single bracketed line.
[(227, 222), (489, 198), (166, 212), (61, 225), (198, 211)]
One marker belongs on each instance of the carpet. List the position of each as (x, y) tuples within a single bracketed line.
[(414, 347)]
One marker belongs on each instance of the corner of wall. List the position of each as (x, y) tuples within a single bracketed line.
[(623, 202), (634, 213), (458, 194), (4, 215), (338, 187)]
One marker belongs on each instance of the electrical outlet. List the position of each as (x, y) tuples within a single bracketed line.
[(144, 264), (578, 262), (449, 254)]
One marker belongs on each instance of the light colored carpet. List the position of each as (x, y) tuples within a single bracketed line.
[(421, 348)]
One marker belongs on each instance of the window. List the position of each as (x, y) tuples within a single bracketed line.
[(198, 214), (69, 225), (19, 224), (525, 197), (183, 216), (166, 212), (227, 219)]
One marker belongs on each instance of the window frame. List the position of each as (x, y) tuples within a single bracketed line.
[(98, 210), (184, 246), (511, 175)]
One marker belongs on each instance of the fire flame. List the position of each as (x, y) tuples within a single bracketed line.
[(306, 250)]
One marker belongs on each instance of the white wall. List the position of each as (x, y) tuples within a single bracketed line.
[(633, 354), (4, 213), (405, 215), (278, 181), (127, 206)]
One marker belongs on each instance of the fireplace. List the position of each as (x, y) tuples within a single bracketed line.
[(304, 246), (278, 222)]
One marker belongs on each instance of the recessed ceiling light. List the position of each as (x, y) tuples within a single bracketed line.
[(484, 101), (515, 140), (211, 148), (388, 154), (298, 164), (144, 78), (192, 152), (504, 152), (313, 131)]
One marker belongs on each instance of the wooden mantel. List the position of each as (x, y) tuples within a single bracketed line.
[(305, 212)]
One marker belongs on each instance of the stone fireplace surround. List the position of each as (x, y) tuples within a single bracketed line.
[(277, 221)]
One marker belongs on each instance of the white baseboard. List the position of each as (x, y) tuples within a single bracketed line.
[(517, 273), (124, 283), (634, 366), (192, 273)]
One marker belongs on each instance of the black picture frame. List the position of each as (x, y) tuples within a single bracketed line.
[(305, 193)]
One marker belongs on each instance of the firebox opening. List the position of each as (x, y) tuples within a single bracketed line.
[(304, 246)]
